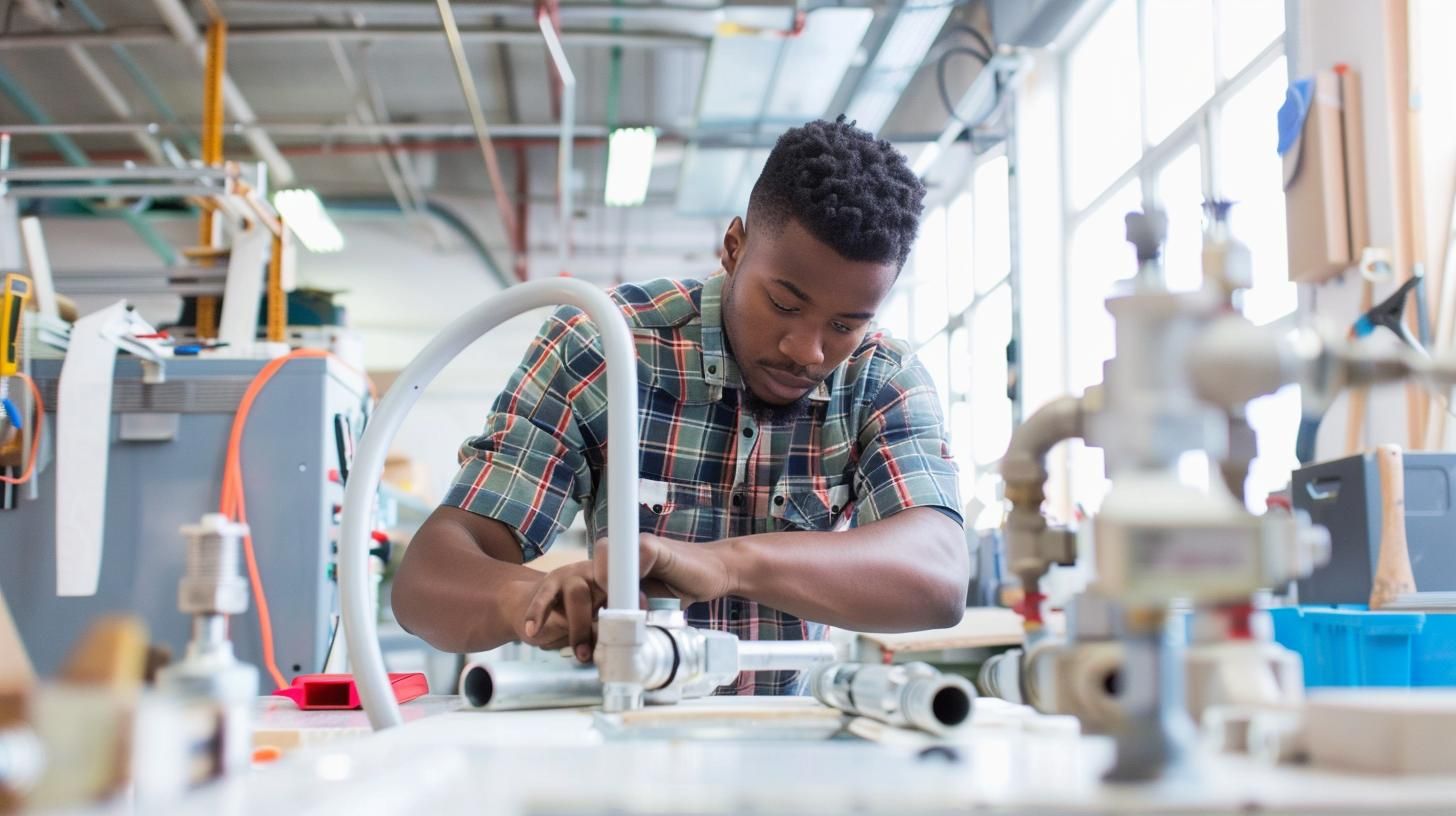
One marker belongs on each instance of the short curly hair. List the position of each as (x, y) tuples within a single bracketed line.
[(850, 190)]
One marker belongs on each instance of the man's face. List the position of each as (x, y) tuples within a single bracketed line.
[(794, 309)]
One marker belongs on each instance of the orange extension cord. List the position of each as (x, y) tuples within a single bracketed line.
[(34, 437), (234, 505)]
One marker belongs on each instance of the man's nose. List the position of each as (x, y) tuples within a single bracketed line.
[(804, 348)]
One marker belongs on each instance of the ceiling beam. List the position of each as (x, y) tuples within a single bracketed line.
[(154, 35)]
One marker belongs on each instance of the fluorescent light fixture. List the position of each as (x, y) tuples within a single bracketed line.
[(915, 28), (629, 165), (304, 214)]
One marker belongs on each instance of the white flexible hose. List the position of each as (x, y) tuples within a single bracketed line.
[(357, 611)]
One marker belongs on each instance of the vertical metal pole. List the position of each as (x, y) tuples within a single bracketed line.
[(212, 124), (277, 301)]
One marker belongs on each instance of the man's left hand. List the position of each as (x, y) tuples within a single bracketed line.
[(688, 571)]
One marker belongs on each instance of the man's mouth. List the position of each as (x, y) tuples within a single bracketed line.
[(785, 386)]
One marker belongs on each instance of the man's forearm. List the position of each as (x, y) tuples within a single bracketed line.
[(907, 572), (455, 596)]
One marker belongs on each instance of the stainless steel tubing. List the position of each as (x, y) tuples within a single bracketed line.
[(912, 695), (516, 686), (784, 655)]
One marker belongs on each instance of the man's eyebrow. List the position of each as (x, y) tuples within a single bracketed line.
[(794, 290), (799, 293)]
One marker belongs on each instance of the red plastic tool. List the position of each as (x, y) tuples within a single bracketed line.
[(336, 692)]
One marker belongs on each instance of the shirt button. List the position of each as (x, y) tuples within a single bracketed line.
[(712, 369), (779, 500), (657, 508), (737, 499), (834, 509), (748, 432)]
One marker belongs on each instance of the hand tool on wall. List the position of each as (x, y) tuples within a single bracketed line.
[(12, 305), (13, 298), (1389, 313)]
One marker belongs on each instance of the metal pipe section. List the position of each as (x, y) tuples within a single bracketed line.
[(913, 695), (568, 126), (184, 29), (784, 655), (356, 597), (90, 173), (86, 192), (477, 121), (586, 10), (511, 686)]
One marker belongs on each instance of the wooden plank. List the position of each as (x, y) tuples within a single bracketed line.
[(981, 627)]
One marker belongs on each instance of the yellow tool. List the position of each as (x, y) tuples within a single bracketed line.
[(12, 304)]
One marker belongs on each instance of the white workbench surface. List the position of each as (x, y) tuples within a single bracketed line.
[(556, 762)]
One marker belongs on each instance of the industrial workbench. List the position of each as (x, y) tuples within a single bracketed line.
[(447, 760)]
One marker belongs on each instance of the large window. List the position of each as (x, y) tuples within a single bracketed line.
[(953, 305), (1172, 102)]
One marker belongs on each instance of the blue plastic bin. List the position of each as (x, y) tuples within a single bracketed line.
[(1352, 646)]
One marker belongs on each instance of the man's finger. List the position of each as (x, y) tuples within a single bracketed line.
[(577, 599), (552, 633), (541, 603)]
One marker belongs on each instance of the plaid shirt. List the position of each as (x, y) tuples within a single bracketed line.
[(872, 444)]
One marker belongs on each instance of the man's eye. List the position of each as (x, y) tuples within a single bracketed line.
[(781, 307), (841, 328)]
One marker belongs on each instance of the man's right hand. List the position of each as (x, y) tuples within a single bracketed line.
[(561, 611)]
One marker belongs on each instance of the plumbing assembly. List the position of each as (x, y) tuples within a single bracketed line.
[(1186, 366)]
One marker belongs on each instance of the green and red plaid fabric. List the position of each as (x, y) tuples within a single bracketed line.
[(872, 444)]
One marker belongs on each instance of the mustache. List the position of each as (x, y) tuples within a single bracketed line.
[(792, 370)]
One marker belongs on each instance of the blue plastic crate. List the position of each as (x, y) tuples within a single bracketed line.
[(1352, 646)]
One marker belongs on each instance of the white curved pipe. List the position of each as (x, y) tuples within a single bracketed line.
[(357, 611)]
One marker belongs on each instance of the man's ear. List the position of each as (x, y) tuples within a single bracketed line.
[(734, 242)]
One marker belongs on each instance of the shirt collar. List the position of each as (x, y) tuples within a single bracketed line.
[(720, 370)]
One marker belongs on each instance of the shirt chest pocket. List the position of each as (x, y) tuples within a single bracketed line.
[(812, 503), (686, 511)]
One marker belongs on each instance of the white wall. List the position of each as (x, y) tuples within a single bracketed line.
[(1351, 32)]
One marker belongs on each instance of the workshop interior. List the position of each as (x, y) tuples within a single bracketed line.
[(1176, 316)]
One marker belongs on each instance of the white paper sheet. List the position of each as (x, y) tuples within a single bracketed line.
[(83, 448), (238, 326)]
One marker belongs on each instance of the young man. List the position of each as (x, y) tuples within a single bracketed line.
[(794, 468)]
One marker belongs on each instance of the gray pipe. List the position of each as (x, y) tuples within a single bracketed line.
[(515, 686), (784, 655), (1023, 468), (913, 695)]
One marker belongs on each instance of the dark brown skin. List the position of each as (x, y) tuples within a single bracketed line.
[(793, 310)]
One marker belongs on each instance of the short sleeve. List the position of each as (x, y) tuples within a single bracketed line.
[(905, 459), (529, 469)]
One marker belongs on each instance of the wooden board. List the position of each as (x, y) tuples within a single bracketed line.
[(982, 627)]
